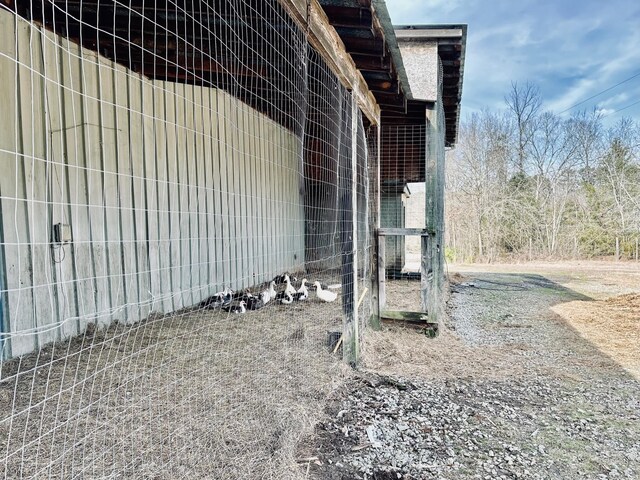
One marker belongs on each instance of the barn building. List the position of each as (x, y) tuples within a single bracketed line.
[(155, 153)]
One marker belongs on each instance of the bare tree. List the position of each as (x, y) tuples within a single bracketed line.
[(524, 102)]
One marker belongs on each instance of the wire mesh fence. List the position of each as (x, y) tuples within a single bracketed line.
[(412, 205), (164, 166)]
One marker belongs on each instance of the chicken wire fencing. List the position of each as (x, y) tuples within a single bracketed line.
[(412, 204), (164, 166)]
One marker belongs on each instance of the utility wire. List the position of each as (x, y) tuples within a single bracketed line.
[(621, 109), (600, 93)]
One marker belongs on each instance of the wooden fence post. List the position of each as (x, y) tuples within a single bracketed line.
[(382, 273), (349, 228), (376, 291), (617, 249)]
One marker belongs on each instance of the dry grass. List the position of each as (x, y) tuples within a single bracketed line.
[(612, 325), (407, 352), (198, 394)]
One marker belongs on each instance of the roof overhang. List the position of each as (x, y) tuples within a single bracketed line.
[(451, 43), (365, 28)]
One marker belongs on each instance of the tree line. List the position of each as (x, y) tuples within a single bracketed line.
[(528, 183)]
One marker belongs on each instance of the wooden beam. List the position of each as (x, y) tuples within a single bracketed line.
[(365, 46), (421, 318), (391, 232), (324, 39), (417, 320), (349, 16), (382, 274), (377, 264), (372, 64)]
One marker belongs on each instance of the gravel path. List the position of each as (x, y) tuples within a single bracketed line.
[(559, 408)]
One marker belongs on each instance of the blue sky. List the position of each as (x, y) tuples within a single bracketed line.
[(571, 49)]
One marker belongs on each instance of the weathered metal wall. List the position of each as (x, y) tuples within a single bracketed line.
[(171, 190)]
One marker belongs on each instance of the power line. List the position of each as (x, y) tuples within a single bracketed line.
[(600, 93), (621, 109)]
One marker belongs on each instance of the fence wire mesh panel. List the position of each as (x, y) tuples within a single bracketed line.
[(412, 202), (402, 201), (165, 166)]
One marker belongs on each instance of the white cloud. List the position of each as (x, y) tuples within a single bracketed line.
[(570, 52)]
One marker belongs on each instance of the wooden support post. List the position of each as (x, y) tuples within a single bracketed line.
[(5, 351), (425, 249), (617, 249), (349, 229), (375, 321), (428, 285), (382, 274)]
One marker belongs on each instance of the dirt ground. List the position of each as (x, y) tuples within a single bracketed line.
[(535, 376), (609, 316)]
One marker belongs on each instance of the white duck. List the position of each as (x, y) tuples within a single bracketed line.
[(303, 291), (287, 298), (272, 290), (269, 294), (289, 288), (324, 295), (240, 308)]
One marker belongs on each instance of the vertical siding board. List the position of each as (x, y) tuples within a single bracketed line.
[(184, 158), (225, 207), (268, 200), (193, 192), (23, 316), (276, 187), (14, 212), (138, 129), (128, 258), (76, 180), (169, 203), (88, 256), (111, 199), (159, 260), (264, 208), (234, 210), (272, 178), (259, 211), (61, 153), (171, 275), (35, 138), (219, 185), (200, 185), (245, 190), (252, 191), (94, 161), (213, 188), (8, 164)]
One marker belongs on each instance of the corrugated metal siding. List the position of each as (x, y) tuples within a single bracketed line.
[(171, 191)]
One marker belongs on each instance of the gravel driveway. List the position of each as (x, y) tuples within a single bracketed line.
[(509, 390)]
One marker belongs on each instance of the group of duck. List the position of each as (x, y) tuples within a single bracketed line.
[(281, 289)]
